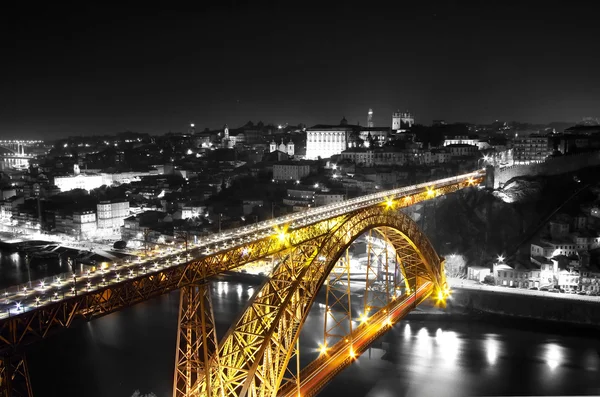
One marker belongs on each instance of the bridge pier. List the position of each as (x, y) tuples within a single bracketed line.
[(14, 376), (196, 357)]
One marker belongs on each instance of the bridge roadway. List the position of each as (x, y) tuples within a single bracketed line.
[(339, 356), (64, 297)]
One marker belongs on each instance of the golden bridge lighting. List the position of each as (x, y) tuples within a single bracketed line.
[(313, 258), (281, 233), (322, 348), (389, 203)]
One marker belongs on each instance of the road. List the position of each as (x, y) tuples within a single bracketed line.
[(473, 285), (316, 375), (19, 299)]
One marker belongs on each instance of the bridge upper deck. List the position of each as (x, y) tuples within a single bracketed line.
[(57, 301)]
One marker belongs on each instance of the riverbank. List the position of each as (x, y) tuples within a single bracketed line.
[(522, 312), (535, 309)]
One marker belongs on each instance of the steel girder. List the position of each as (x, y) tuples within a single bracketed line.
[(14, 377), (140, 286), (255, 352), (196, 342), (36, 323), (338, 307)]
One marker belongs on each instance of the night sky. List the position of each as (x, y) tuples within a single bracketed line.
[(86, 69)]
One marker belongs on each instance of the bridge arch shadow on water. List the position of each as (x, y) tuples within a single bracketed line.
[(254, 358)]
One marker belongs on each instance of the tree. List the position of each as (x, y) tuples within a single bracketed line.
[(489, 279), (455, 266)]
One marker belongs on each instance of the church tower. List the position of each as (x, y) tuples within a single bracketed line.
[(272, 146), (226, 132), (290, 148), (370, 119)]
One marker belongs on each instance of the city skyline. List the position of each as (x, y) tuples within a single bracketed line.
[(98, 71)]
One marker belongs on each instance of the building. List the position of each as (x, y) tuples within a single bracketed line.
[(325, 198), (377, 156), (81, 181), (110, 216), (290, 171), (402, 120), (477, 273), (466, 140), (282, 147), (84, 224), (589, 279), (531, 149), (300, 198), (325, 141), (462, 150), (192, 211)]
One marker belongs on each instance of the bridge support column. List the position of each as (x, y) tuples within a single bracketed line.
[(338, 303), (14, 377), (379, 286), (197, 347)]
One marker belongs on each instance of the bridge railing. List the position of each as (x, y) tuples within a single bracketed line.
[(367, 199)]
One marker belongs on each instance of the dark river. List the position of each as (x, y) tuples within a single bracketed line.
[(441, 356)]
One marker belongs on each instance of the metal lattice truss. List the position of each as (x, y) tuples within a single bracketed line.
[(379, 283), (14, 377), (257, 349), (140, 286), (196, 343), (255, 352), (338, 315)]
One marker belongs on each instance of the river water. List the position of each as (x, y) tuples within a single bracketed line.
[(421, 356)]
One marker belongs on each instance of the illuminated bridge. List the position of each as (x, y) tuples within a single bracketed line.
[(256, 356)]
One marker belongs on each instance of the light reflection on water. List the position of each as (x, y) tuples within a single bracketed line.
[(134, 349)]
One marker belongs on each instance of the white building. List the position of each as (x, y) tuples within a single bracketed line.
[(81, 181), (325, 143), (290, 171), (192, 211), (84, 224), (110, 216), (467, 140)]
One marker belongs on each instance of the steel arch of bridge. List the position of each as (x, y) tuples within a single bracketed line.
[(255, 352), (296, 239)]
